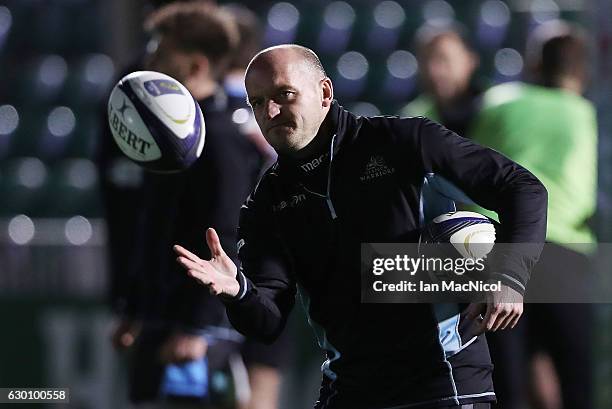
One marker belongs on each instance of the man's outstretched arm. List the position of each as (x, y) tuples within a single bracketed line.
[(258, 296)]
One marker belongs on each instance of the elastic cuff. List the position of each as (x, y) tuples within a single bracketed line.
[(242, 291), (510, 281)]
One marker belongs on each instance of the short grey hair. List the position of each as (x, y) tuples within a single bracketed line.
[(309, 57)]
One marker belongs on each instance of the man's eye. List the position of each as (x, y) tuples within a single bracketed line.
[(286, 93)]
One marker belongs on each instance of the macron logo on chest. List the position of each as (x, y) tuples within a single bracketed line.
[(375, 168), (315, 163)]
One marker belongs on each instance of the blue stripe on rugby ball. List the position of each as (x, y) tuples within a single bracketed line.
[(199, 128), (177, 154), (441, 232)]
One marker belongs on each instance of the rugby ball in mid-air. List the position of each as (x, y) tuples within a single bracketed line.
[(468, 235), (156, 122)]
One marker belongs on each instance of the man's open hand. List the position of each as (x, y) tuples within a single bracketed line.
[(502, 310), (218, 273)]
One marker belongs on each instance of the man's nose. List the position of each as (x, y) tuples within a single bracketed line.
[(272, 109)]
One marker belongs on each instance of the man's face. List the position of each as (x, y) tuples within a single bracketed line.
[(287, 99), (448, 67)]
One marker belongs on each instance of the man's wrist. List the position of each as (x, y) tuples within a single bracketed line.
[(508, 281), (234, 289), (239, 290)]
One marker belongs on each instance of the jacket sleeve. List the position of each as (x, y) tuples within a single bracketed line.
[(496, 183), (267, 285)]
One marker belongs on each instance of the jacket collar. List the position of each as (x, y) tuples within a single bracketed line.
[(343, 125), (346, 125)]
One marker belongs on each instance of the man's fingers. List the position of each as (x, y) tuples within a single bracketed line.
[(490, 316), (201, 269), (501, 317), (515, 320), (214, 244), (202, 277), (182, 251), (200, 272), (508, 320), (188, 264)]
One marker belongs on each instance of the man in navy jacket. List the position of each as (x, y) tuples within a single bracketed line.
[(342, 180)]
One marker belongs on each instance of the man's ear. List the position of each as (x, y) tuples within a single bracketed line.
[(328, 92), (199, 66)]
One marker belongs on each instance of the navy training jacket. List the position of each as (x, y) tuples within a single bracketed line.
[(302, 228)]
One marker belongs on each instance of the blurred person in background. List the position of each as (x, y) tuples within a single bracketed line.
[(548, 127), (251, 34), (447, 64), (122, 194), (264, 362), (179, 331)]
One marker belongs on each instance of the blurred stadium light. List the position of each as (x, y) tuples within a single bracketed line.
[(438, 13), (31, 173), (282, 22), (494, 18), (9, 119), (21, 229), (338, 19), (388, 18), (544, 10), (6, 20), (402, 67), (364, 109), (352, 68), (508, 63)]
